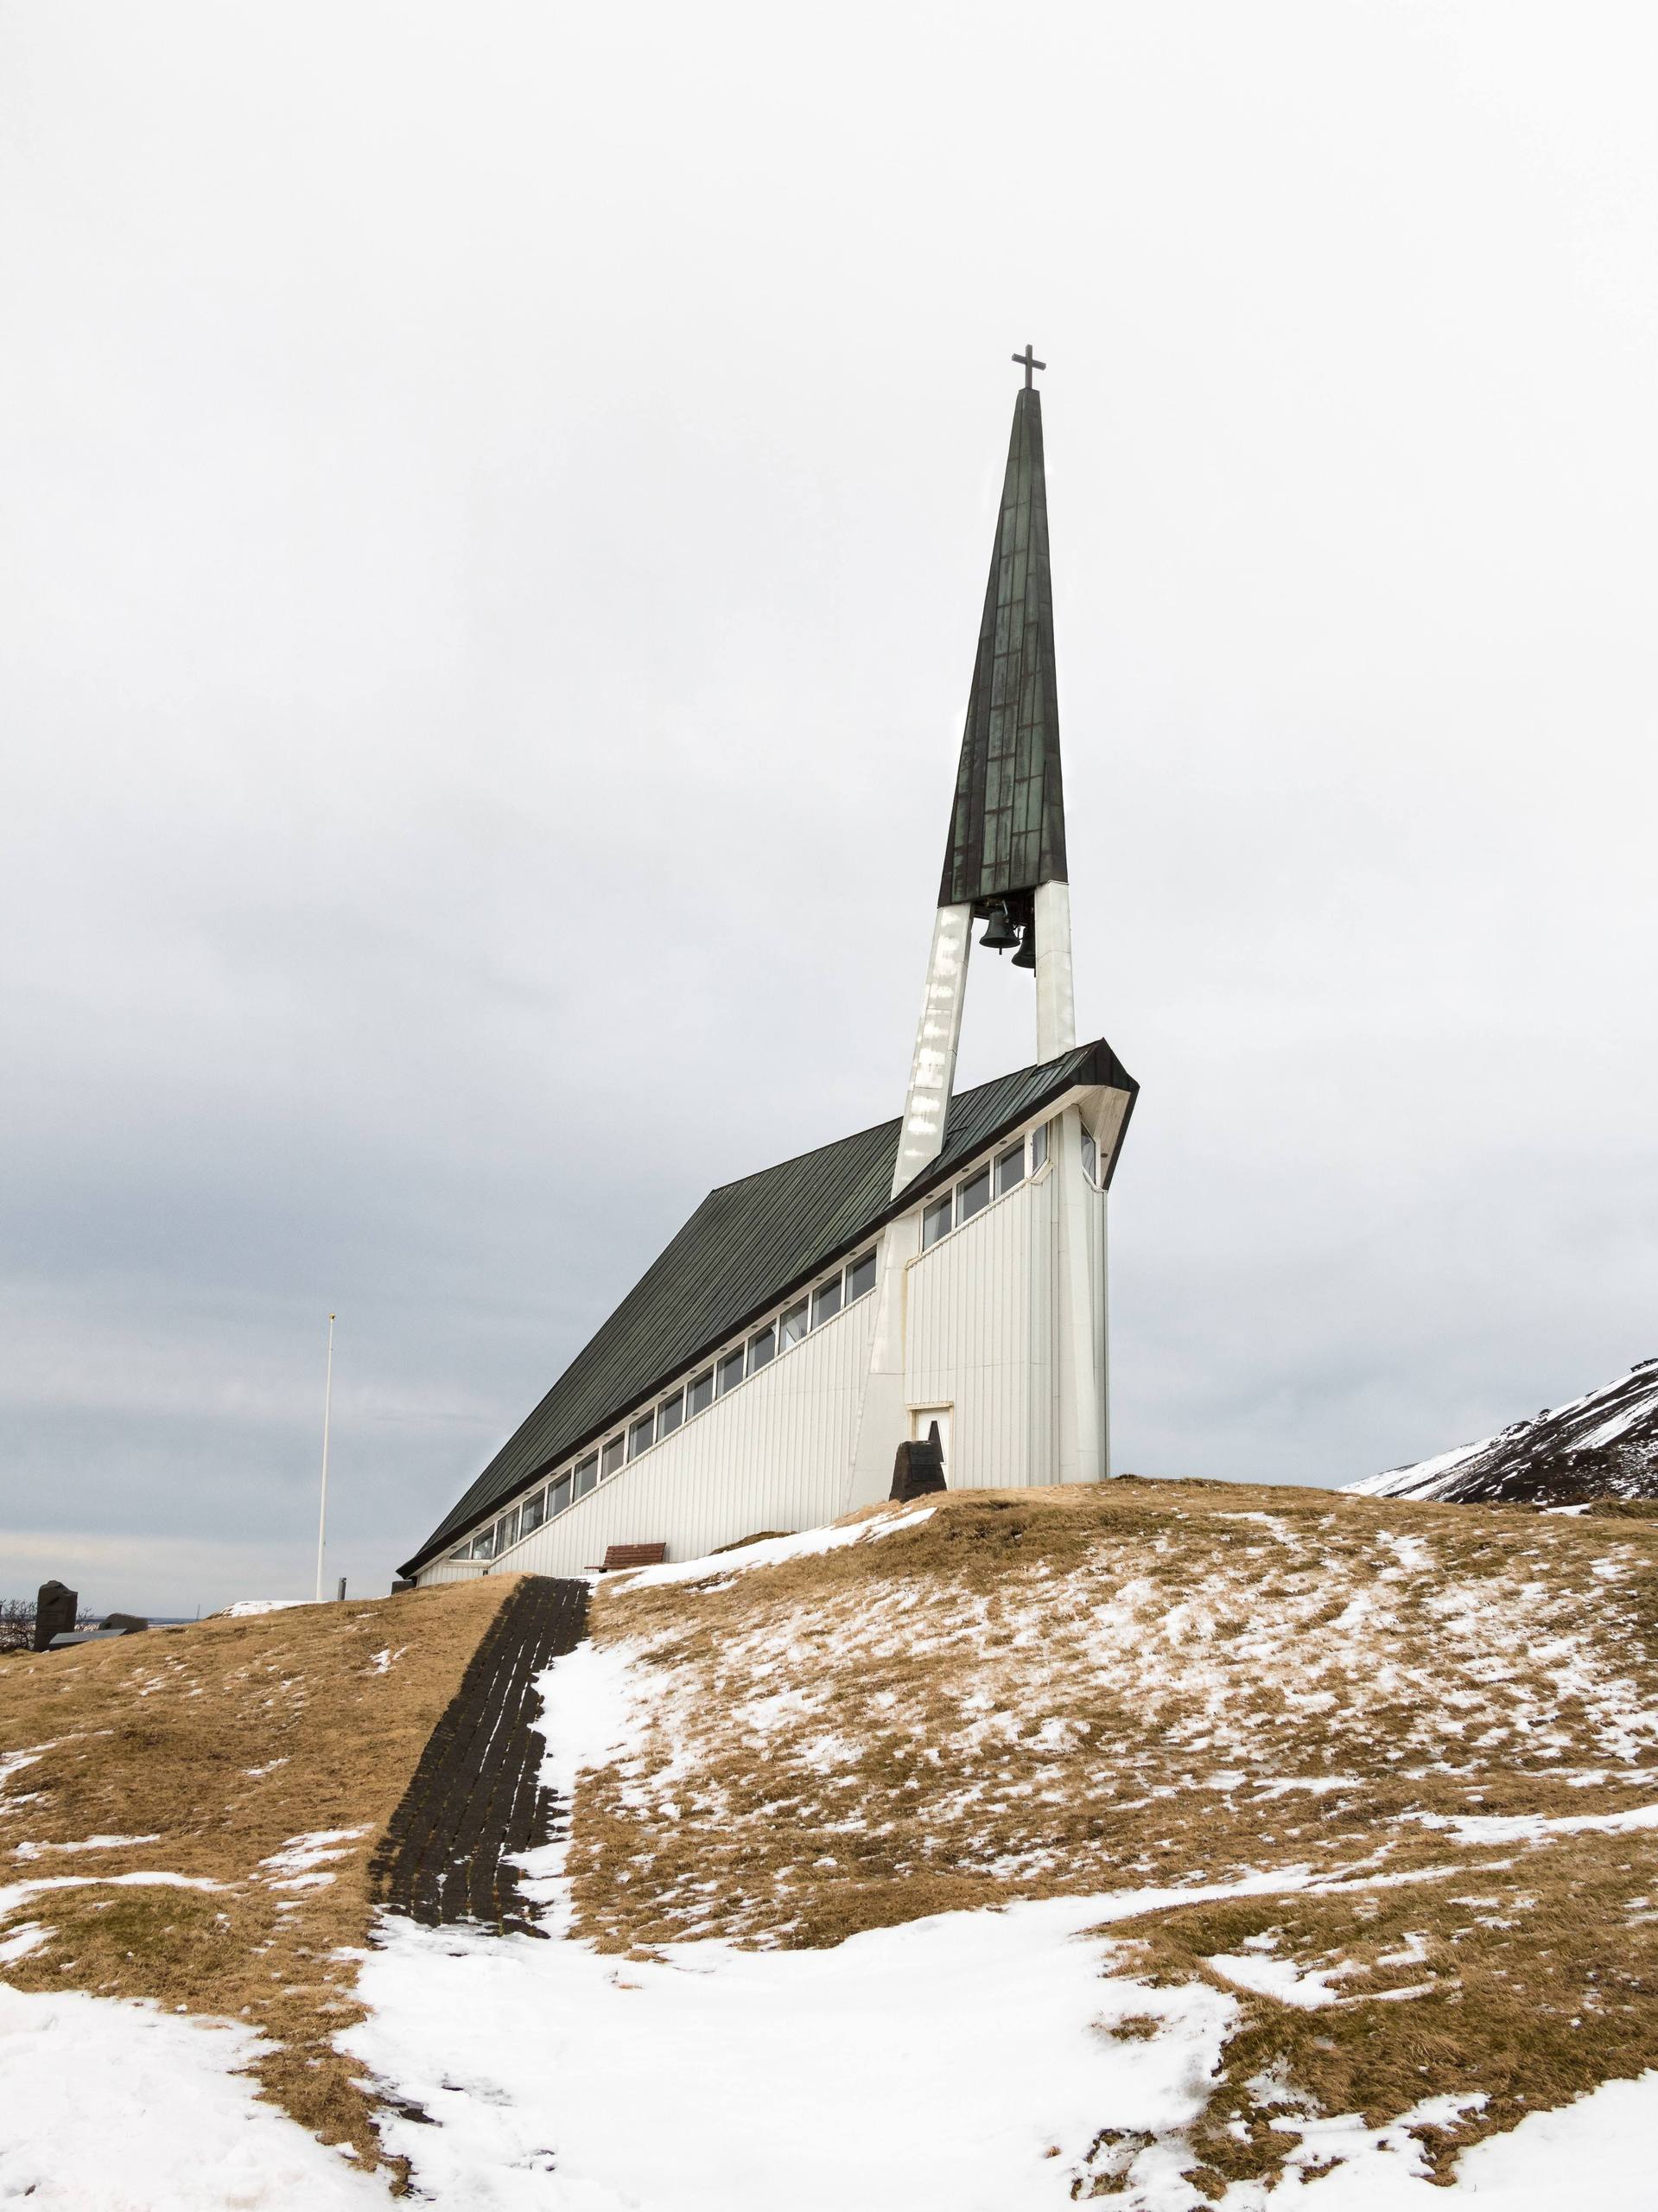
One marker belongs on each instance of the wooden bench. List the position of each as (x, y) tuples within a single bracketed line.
[(626, 1555)]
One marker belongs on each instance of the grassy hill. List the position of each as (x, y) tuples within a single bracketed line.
[(1425, 1736), (188, 1815), (1366, 1783)]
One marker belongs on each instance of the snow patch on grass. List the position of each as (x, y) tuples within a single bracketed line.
[(1279, 1977), (14, 1762), (86, 1843), (302, 1853), (1535, 1828), (112, 2106), (21, 1941), (774, 1551), (990, 2062), (964, 2064), (15, 1895), (1596, 2152)]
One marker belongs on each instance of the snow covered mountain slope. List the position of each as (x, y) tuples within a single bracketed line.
[(1604, 1445)]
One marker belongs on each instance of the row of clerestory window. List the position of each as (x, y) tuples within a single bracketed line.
[(975, 1190), (970, 1196), (658, 1422)]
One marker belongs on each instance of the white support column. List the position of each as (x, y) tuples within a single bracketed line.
[(883, 1418), (932, 1072), (1056, 1006), (1104, 1346), (1079, 1334)]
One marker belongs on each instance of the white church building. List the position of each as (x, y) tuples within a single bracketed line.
[(946, 1267)]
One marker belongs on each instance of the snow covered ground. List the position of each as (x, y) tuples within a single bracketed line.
[(968, 2062), (972, 2061), (1172, 1675), (107, 2105), (961, 2065), (772, 1551)]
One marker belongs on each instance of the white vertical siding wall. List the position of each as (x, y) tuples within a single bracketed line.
[(777, 1453), (975, 1325), (981, 1305), (451, 1570), (1100, 1289)]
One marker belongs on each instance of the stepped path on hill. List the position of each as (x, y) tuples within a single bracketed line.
[(475, 1801), (188, 1819)]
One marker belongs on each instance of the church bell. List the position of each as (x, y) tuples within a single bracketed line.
[(1025, 956), (1000, 933)]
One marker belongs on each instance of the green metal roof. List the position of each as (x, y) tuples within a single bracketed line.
[(1007, 828), (747, 1246)]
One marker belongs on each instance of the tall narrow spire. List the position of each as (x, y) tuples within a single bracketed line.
[(1007, 827), (1006, 858)]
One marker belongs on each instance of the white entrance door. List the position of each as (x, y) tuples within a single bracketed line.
[(921, 1421)]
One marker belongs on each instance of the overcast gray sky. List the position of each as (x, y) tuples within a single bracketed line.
[(495, 503)]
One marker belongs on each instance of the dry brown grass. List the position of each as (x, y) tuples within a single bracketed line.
[(1158, 1685), (223, 1742)]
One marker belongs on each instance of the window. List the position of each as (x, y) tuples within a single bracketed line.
[(534, 1512), (1091, 1156), (1010, 1168), (610, 1459), (507, 1530), (861, 1276), (731, 1371), (973, 1195), (701, 1393), (762, 1350), (1038, 1147), (559, 1496), (670, 1414), (643, 1434), (935, 1221), (483, 1544), (794, 1324), (586, 1474), (826, 1301)]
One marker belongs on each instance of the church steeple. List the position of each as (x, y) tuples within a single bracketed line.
[(1005, 859), (1008, 826)]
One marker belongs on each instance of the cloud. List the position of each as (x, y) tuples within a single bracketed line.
[(496, 527)]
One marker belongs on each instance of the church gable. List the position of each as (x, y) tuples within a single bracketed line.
[(749, 1245)]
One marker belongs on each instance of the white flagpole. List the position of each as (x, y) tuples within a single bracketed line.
[(322, 1510)]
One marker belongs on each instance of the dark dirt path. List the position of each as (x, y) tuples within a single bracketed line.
[(474, 1799)]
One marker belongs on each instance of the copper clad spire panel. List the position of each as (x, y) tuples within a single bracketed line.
[(1008, 829)]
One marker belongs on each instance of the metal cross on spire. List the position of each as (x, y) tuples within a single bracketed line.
[(1028, 361)]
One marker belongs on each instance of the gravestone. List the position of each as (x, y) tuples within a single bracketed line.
[(125, 1624), (55, 1612), (918, 1470)]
